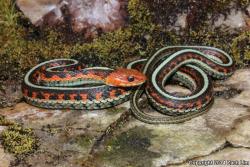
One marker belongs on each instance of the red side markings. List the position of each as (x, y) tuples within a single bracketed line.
[(112, 94), (98, 96), (72, 96), (34, 94), (46, 96), (84, 97), (60, 97)]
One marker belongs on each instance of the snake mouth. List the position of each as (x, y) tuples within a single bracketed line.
[(125, 85)]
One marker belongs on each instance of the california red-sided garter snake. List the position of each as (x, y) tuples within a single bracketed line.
[(58, 83)]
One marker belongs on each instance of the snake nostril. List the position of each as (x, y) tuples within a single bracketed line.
[(131, 78)]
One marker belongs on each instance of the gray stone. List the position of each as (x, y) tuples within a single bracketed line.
[(65, 137), (87, 16), (240, 135), (248, 8), (181, 21), (2, 128), (36, 10), (227, 157), (166, 144), (243, 98), (239, 80), (222, 115), (174, 143), (5, 158), (234, 20)]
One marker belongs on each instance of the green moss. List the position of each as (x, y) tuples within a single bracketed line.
[(8, 17), (243, 3), (25, 53), (112, 48), (241, 48), (16, 139), (22, 45), (140, 17), (149, 36), (19, 140), (209, 37)]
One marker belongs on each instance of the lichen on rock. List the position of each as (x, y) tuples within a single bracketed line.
[(19, 140)]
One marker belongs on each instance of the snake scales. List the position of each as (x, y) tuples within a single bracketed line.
[(67, 84)]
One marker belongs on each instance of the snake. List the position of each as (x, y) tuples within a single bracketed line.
[(68, 84)]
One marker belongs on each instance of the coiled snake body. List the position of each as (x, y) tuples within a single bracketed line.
[(58, 83)]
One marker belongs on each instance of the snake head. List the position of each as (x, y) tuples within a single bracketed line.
[(125, 78)]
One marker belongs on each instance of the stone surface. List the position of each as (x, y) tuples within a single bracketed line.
[(181, 21), (239, 80), (36, 10), (5, 158), (240, 136), (27, 114), (234, 20), (10, 93), (86, 16), (222, 116), (175, 143), (2, 128), (64, 136), (227, 157), (242, 98)]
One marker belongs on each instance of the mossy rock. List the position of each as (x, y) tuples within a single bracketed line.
[(241, 48), (198, 12), (23, 45)]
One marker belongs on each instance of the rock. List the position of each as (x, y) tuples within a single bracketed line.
[(2, 128), (181, 21), (150, 145), (10, 93), (65, 137), (240, 135), (36, 10), (85, 15), (227, 157), (5, 158), (239, 80), (242, 98), (28, 114), (234, 20), (139, 144), (223, 114)]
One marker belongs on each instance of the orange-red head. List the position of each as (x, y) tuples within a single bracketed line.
[(125, 78)]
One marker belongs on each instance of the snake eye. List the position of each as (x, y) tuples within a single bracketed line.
[(131, 78)]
